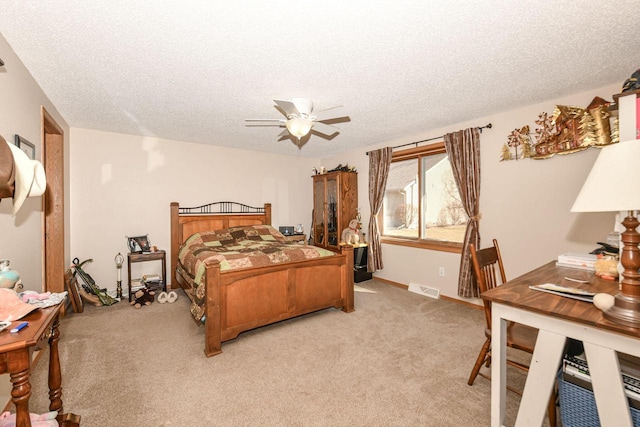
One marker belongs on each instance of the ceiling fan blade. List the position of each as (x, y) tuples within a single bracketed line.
[(303, 105), (288, 107), (264, 122), (331, 113), (324, 128)]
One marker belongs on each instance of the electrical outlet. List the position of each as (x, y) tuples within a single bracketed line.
[(441, 271)]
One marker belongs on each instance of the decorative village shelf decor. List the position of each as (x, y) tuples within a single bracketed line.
[(568, 130)]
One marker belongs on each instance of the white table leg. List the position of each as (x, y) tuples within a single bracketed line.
[(601, 347), (543, 369), (498, 367), (608, 387)]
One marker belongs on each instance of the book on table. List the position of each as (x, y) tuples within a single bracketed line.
[(577, 260), (564, 291)]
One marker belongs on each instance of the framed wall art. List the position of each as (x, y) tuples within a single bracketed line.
[(26, 146)]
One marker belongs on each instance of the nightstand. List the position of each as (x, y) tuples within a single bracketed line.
[(360, 273), (148, 256), (298, 238)]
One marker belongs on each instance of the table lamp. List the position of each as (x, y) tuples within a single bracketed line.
[(119, 259), (614, 185)]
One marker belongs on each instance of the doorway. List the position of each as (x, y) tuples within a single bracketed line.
[(53, 204)]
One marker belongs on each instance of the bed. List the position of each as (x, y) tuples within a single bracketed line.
[(226, 300)]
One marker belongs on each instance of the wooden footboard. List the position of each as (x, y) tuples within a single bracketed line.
[(240, 300)]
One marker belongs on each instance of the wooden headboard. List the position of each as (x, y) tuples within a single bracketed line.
[(210, 217)]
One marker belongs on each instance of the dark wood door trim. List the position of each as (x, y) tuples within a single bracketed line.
[(53, 204)]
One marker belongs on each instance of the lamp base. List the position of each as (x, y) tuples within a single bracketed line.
[(625, 311), (626, 307)]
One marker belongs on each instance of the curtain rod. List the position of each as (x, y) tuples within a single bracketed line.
[(488, 126)]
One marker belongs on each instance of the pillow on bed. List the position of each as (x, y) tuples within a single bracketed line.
[(256, 232), (231, 236), (212, 238)]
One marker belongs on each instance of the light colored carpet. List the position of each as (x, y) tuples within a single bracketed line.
[(400, 359), (357, 288)]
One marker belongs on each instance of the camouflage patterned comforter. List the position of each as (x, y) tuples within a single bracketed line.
[(237, 248)]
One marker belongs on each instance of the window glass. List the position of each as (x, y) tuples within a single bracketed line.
[(444, 216), (401, 202), (422, 202)]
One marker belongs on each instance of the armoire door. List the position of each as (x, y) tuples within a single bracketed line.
[(333, 211), (319, 215)]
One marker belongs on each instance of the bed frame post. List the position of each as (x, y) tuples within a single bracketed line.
[(267, 213), (347, 279), (213, 311), (176, 240)]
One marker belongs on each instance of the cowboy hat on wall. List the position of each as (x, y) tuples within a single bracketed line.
[(28, 175)]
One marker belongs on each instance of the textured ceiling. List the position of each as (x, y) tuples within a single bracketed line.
[(194, 70)]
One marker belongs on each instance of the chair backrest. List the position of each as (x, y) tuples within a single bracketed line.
[(484, 267)]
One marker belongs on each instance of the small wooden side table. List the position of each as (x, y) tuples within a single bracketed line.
[(15, 359), (148, 256)]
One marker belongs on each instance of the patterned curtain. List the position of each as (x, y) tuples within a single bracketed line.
[(463, 148), (379, 161)]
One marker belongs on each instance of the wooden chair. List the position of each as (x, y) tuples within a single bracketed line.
[(520, 337)]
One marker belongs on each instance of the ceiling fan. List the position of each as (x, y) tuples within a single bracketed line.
[(301, 119)]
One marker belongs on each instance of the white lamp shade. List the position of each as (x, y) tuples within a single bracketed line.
[(299, 127), (614, 181)]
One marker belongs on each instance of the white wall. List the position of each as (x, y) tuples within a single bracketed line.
[(121, 185), (524, 204), (21, 237)]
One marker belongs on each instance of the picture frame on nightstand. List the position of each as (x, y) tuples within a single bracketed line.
[(138, 244)]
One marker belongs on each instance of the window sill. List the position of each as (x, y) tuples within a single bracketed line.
[(433, 245)]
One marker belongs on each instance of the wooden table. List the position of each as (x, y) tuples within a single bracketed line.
[(557, 319), (15, 359)]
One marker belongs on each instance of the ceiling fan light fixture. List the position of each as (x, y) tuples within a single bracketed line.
[(299, 127)]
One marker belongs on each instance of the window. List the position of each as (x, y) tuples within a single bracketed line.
[(422, 205)]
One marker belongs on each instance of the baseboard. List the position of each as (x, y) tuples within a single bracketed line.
[(444, 297), (391, 282)]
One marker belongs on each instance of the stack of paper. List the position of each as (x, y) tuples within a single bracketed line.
[(577, 260)]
